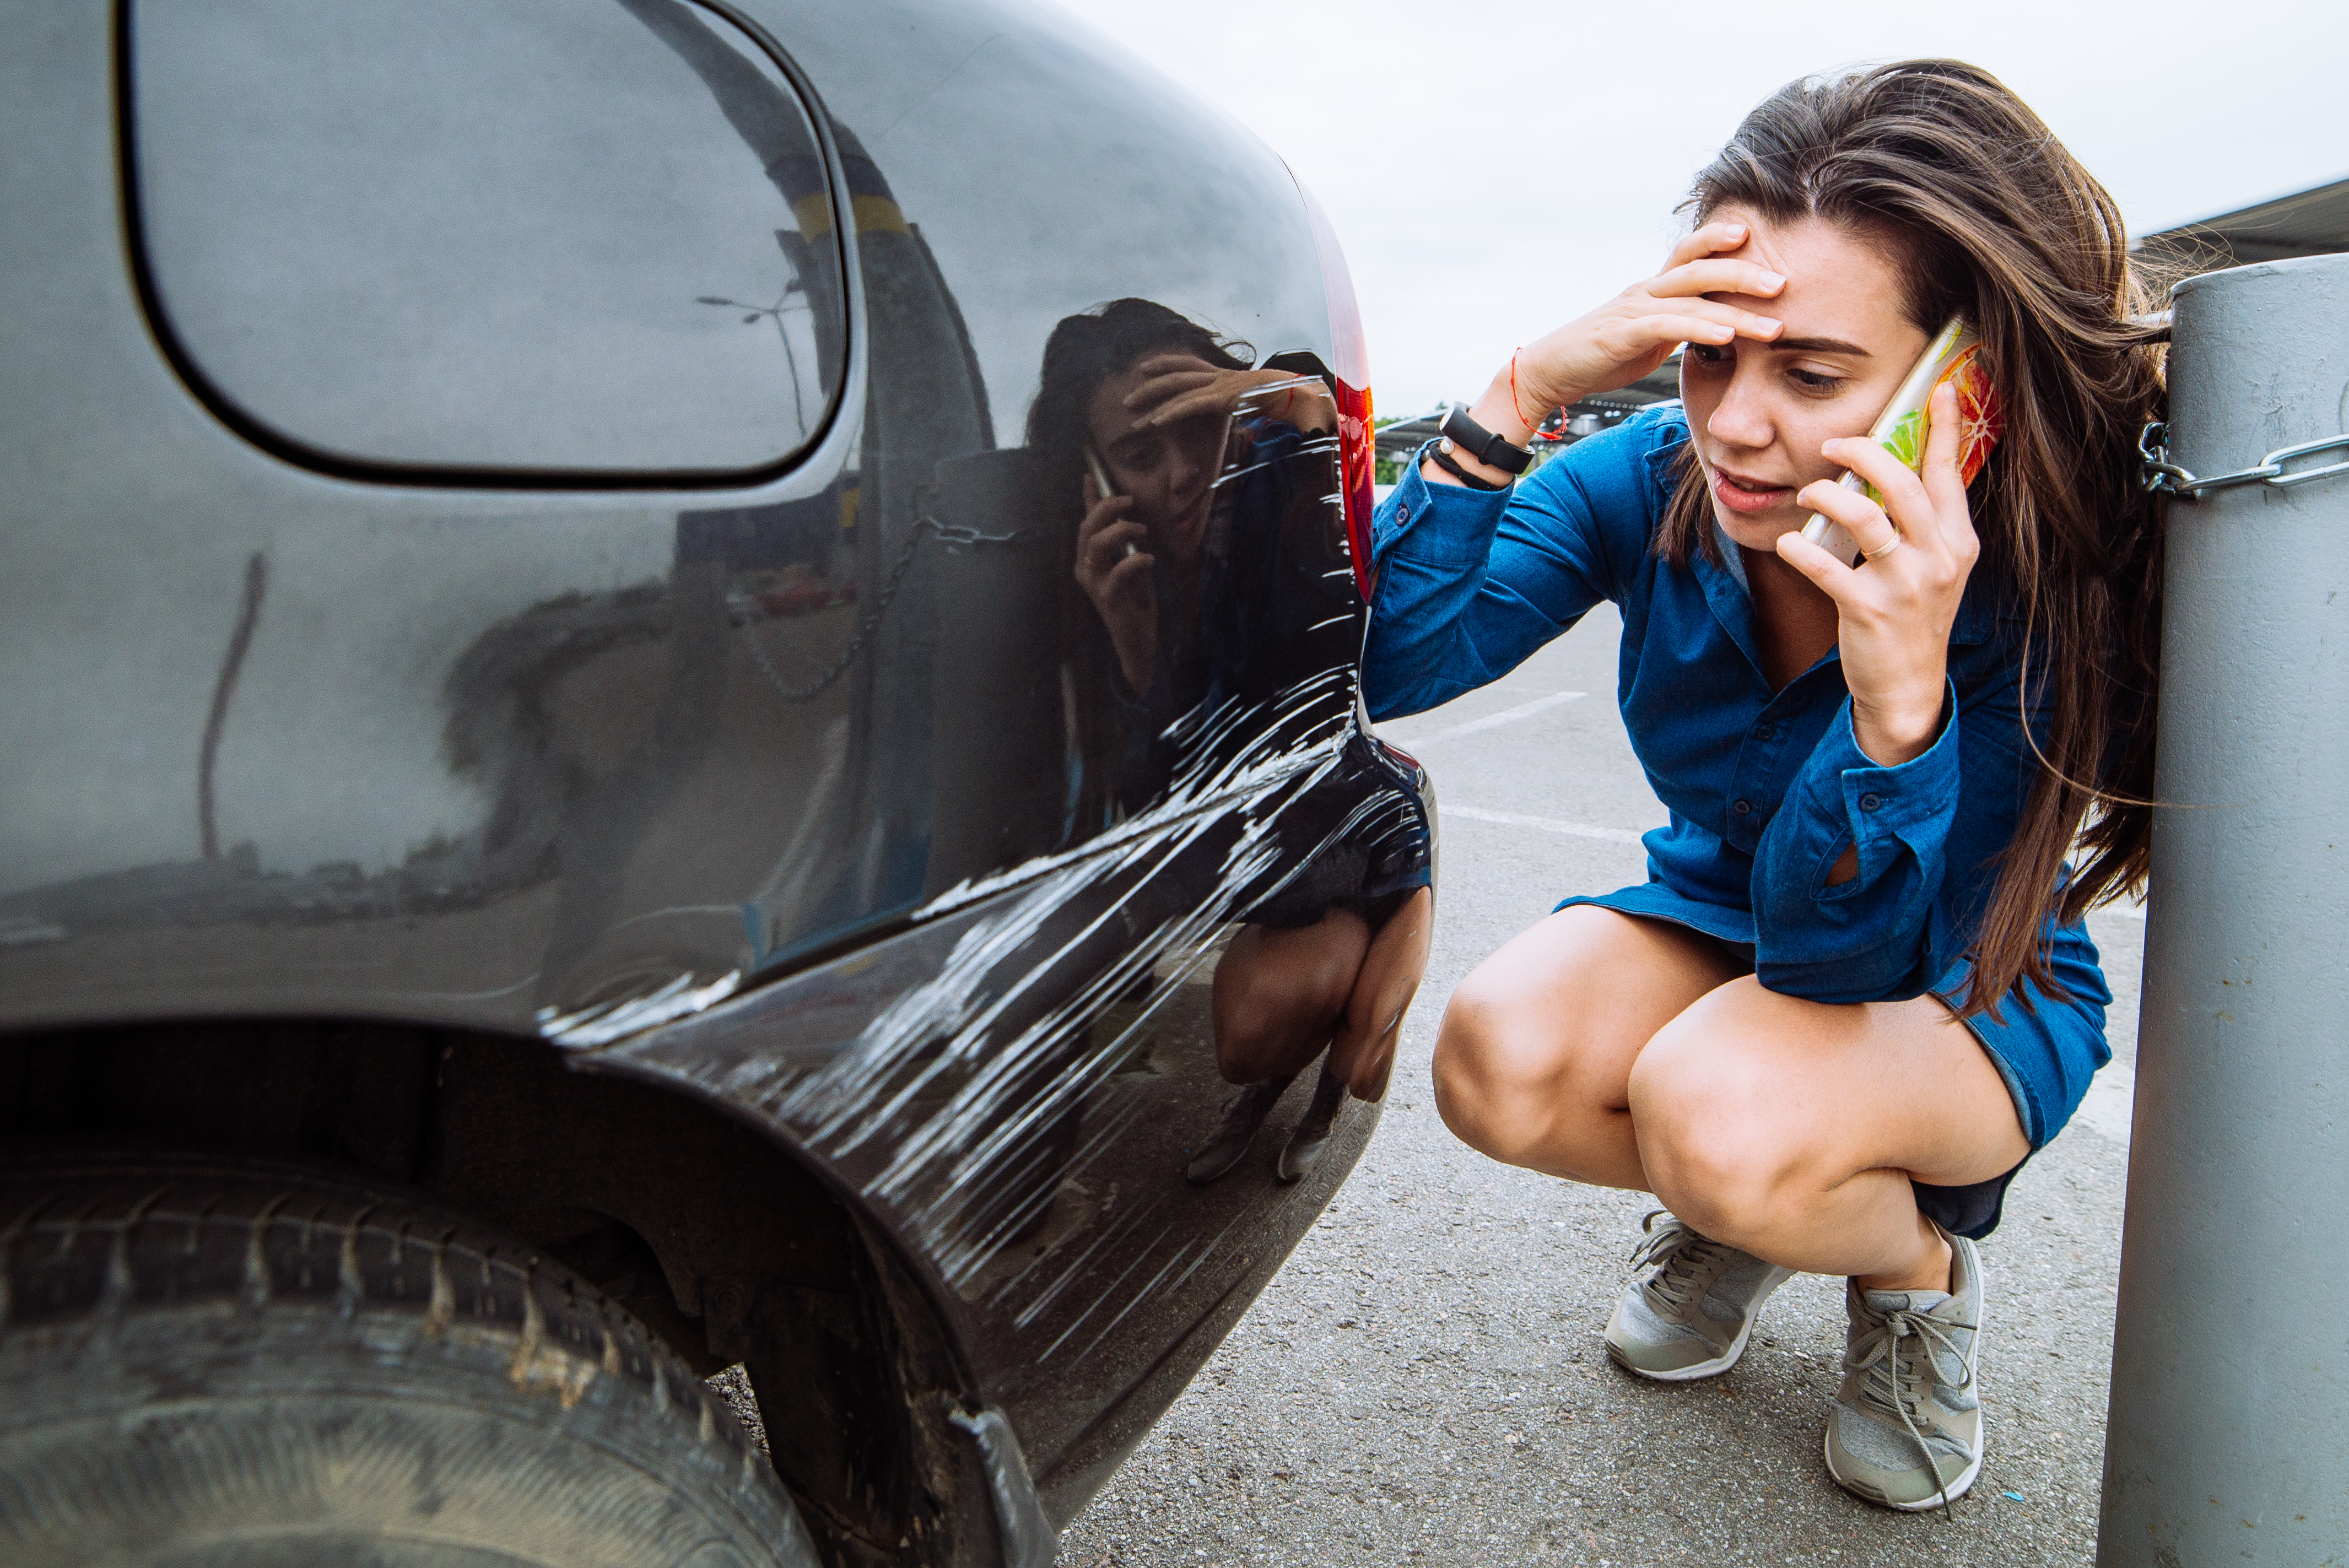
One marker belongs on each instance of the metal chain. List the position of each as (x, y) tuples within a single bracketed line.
[(948, 534), (2159, 475)]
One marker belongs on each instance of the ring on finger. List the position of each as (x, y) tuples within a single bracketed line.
[(1883, 550)]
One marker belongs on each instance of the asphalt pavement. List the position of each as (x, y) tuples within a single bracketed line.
[(1424, 1382)]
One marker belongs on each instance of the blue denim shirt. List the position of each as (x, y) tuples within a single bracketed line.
[(1766, 788)]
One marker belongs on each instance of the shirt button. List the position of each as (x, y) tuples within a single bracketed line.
[(1743, 807), (1402, 515), (1765, 732), (1870, 802)]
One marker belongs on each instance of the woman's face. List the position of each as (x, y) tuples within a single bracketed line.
[(1169, 470), (1757, 412)]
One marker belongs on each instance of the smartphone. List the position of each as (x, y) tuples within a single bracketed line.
[(1100, 474), (1101, 482), (1954, 356)]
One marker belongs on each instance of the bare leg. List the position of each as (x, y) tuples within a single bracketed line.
[(1793, 1129), (1279, 993), (1533, 1064), (1363, 1051), (1633, 1053)]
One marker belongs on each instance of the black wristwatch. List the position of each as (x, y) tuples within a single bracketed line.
[(1483, 445), (1474, 482)]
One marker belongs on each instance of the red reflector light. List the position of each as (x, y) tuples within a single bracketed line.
[(1351, 362)]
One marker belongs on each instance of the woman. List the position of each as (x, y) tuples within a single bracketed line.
[(1189, 594), (1855, 993)]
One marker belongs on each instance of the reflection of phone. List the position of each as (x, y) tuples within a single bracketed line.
[(1101, 482), (1954, 356), (1100, 474)]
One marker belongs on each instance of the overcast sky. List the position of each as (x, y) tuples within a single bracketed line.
[(1495, 167)]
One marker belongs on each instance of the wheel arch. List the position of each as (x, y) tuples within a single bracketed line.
[(728, 1244)]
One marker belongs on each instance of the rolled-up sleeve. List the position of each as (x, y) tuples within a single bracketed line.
[(1471, 583), (1869, 938)]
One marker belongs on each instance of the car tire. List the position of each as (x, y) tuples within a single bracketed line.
[(206, 1362)]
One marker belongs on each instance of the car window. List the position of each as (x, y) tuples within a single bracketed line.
[(517, 237)]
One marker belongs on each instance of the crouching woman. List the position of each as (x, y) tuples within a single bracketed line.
[(1855, 993)]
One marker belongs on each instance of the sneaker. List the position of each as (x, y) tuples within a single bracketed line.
[(1312, 1135), (1235, 1133), (1906, 1432), (1691, 1316)]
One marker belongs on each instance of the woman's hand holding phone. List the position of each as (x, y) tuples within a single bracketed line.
[(1113, 568), (1894, 611)]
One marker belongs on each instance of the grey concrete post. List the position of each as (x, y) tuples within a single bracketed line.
[(2227, 1435)]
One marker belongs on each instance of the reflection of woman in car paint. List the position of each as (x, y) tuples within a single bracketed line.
[(1181, 584)]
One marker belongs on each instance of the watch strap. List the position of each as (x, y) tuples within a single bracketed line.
[(1437, 455), (1484, 445)]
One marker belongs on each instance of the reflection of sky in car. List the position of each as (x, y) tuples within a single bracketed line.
[(517, 283)]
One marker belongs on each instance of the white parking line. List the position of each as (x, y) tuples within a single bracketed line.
[(1545, 825), (1493, 720)]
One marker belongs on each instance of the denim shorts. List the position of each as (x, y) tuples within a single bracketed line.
[(2046, 1052)]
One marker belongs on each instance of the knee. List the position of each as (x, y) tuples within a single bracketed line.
[(1253, 1043), (1497, 1079), (1277, 995), (1714, 1138)]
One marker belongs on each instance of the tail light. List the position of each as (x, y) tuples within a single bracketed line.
[(1351, 362)]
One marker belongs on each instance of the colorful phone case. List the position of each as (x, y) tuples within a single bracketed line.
[(1954, 356)]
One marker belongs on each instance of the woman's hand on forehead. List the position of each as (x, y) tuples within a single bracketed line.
[(1754, 250), (1635, 332), (1177, 386)]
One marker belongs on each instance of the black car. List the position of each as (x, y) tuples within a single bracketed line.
[(620, 760)]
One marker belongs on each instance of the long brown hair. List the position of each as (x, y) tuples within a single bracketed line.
[(1985, 214)]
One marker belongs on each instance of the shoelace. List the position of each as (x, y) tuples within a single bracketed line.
[(1685, 1255), (1882, 1373)]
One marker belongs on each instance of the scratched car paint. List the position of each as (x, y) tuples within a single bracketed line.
[(370, 662)]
